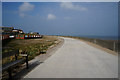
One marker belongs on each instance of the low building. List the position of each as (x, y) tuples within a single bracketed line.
[(3, 37), (10, 33), (34, 33), (17, 31), (28, 36), (20, 36), (5, 32), (21, 31)]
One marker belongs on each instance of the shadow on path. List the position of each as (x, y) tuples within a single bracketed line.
[(25, 71)]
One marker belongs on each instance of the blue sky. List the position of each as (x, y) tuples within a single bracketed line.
[(0, 13), (63, 18)]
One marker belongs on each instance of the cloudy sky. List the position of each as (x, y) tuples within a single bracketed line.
[(63, 18)]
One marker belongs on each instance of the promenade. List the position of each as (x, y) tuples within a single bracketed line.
[(77, 59)]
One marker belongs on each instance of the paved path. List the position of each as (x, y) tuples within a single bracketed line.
[(77, 59)]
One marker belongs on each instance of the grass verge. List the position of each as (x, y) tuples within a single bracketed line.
[(33, 47)]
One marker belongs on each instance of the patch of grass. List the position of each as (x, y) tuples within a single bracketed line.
[(33, 47)]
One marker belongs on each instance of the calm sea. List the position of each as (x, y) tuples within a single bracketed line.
[(96, 37)]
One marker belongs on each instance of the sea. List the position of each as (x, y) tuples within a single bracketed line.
[(96, 37)]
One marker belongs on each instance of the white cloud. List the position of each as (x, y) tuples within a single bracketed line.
[(25, 7), (71, 6), (51, 17)]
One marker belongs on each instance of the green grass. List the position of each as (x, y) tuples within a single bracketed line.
[(33, 47)]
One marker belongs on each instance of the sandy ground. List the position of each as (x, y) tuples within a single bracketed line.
[(77, 59)]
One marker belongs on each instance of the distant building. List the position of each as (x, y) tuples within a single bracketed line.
[(21, 31), (28, 36), (10, 32), (7, 30), (34, 33), (17, 31)]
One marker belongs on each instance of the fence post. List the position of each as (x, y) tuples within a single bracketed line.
[(27, 62), (95, 41), (114, 45), (10, 74)]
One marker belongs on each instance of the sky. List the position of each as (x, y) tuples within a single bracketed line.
[(0, 13), (62, 18), (60, 0)]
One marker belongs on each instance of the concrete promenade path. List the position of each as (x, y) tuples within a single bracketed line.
[(77, 59)]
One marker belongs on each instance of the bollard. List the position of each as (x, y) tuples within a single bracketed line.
[(15, 56), (27, 62)]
